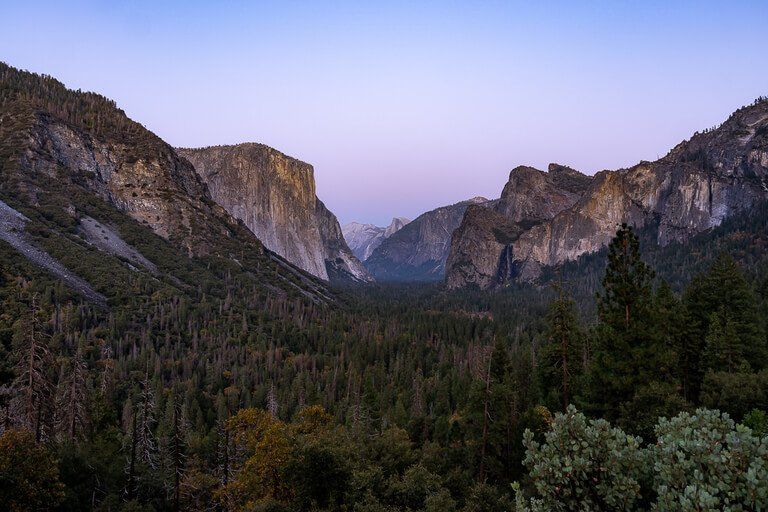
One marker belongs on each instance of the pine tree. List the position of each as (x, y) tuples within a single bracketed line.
[(33, 403), (492, 419), (721, 293), (272, 405), (630, 352), (73, 410), (724, 349), (625, 300), (560, 358), (174, 448)]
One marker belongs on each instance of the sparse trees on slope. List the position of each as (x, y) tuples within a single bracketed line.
[(73, 405)]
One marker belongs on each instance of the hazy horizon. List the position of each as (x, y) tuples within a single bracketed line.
[(404, 108)]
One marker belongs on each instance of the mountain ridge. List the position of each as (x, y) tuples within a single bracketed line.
[(695, 186), (419, 250), (72, 160)]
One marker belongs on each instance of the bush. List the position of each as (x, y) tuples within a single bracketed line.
[(707, 462), (584, 465), (29, 474), (702, 461)]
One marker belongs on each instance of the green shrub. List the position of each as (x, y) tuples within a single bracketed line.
[(707, 462), (584, 465)]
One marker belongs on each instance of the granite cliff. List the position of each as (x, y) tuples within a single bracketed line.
[(274, 195), (530, 197), (86, 175), (694, 187)]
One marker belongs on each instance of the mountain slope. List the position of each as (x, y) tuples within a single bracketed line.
[(697, 185), (418, 251), (274, 195), (478, 252), (73, 161), (363, 239)]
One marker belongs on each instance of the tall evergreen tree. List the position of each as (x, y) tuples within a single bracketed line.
[(490, 416), (724, 349), (33, 403), (721, 294), (561, 358), (630, 353)]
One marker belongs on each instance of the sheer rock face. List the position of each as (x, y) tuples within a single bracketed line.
[(274, 195), (693, 188), (419, 250), (478, 247), (478, 253), (363, 239), (532, 196), (145, 179)]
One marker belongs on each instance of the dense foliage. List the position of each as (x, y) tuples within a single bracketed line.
[(395, 398), (700, 461)]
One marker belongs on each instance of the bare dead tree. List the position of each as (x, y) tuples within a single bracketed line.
[(32, 405), (72, 403), (272, 405)]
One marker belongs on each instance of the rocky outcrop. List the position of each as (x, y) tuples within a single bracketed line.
[(144, 178), (340, 263), (274, 195), (477, 247), (419, 250), (363, 239), (478, 253), (532, 196), (693, 188)]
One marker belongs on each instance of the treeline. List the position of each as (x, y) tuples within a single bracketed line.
[(89, 111)]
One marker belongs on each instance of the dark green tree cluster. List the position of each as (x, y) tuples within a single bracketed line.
[(427, 394)]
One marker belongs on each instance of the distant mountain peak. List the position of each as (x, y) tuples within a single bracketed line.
[(363, 239)]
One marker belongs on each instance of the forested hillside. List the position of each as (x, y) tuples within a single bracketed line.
[(401, 398)]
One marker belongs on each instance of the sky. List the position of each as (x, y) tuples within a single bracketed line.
[(402, 107)]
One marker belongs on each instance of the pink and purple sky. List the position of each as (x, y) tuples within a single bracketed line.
[(406, 106)]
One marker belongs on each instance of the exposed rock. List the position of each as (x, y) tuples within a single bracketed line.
[(77, 154), (274, 195), (419, 250), (148, 181), (108, 240), (531, 196), (363, 239), (12, 225), (477, 246), (693, 188), (340, 263), (478, 251)]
